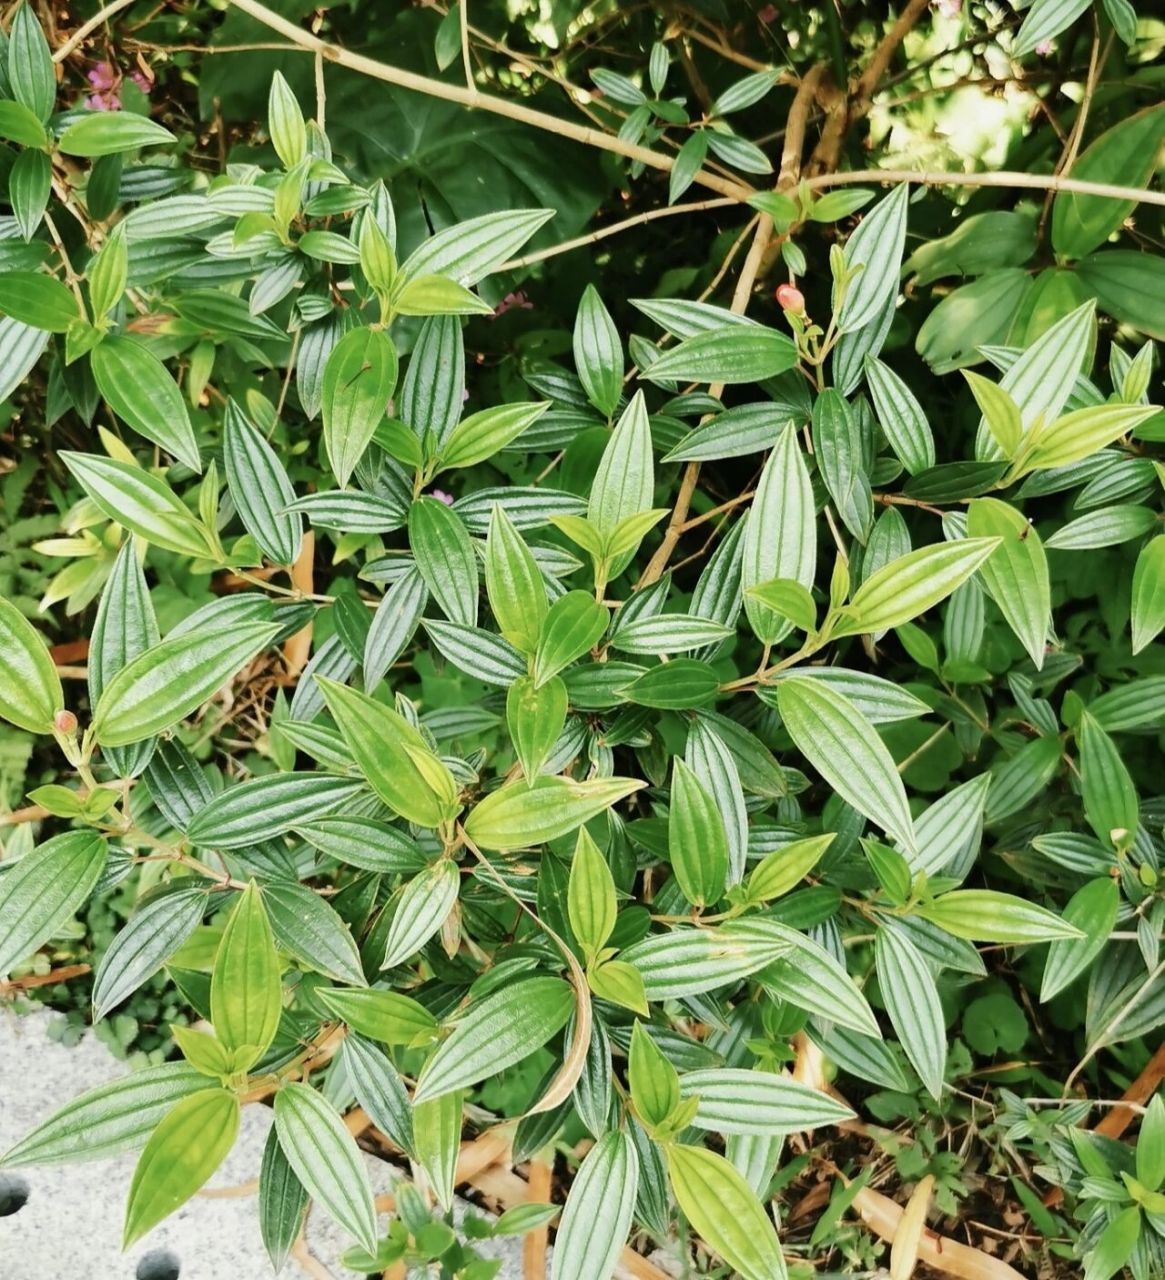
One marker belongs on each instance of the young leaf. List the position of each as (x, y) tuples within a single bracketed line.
[(183, 1151), (246, 994), (487, 432), (1148, 604), (590, 901), (1110, 798), (1016, 572), (326, 1159), (514, 584), (597, 1217), (518, 816), (359, 380), (285, 123), (380, 1015), (260, 488), (535, 718), (654, 1084), (30, 689), (625, 478), (984, 915), (912, 584), (785, 868), (724, 1209), (697, 843), (44, 889), (844, 747), (445, 556), (494, 1033), (574, 624), (437, 1142), (173, 678)]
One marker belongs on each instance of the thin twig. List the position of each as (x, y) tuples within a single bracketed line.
[(87, 28)]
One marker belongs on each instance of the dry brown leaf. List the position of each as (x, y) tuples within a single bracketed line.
[(908, 1236)]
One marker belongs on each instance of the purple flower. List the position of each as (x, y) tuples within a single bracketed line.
[(106, 80), (103, 102), (103, 77), (441, 496), (950, 8), (517, 300), (1044, 48)]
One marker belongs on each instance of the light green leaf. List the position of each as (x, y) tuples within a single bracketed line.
[(573, 625), (359, 379), (110, 132), (590, 899), (1110, 798), (421, 910), (514, 583), (518, 816), (985, 915), (697, 842), (1083, 432), (785, 868), (445, 556), (246, 994), (1093, 910), (37, 299), (385, 1016), (437, 1142), (1016, 572), (597, 1217), (285, 123), (725, 1211), (535, 718), (183, 1151), (731, 354), (598, 353), (488, 431), (739, 1100), (1148, 603)]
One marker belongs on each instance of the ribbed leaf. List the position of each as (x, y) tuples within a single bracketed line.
[(260, 488), (911, 998), (597, 1217)]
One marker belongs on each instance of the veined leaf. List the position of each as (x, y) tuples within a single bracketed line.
[(876, 246), (472, 249), (911, 998), (1148, 603), (597, 1217), (518, 816), (573, 625), (598, 353), (261, 489), (737, 1100), (495, 1032), (282, 1200), (685, 962), (421, 910), (697, 842), (359, 380), (385, 1016), (140, 390), (437, 1143), (445, 558), (267, 806), (1016, 572), (844, 747), (326, 1160), (732, 355), (379, 1089), (1093, 910), (246, 994), (514, 584), (984, 915), (30, 689)]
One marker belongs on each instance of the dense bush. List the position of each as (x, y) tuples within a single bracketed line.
[(522, 685)]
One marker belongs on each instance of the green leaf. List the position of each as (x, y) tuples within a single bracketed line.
[(326, 1159), (20, 125), (1125, 154), (282, 1201), (30, 64), (688, 162), (144, 944), (1000, 412), (573, 625), (173, 678), (912, 584), (624, 479), (379, 1089), (732, 354), (725, 1211), (30, 689), (307, 926), (380, 1015), (590, 898), (445, 556), (359, 379), (109, 1119), (1093, 910), (378, 737), (1016, 572), (1044, 21), (785, 868), (1115, 1246), (598, 353), (488, 431), (1148, 602), (1110, 798), (678, 685), (141, 392), (984, 915), (267, 806), (431, 395), (421, 910), (654, 1084), (285, 123), (37, 299), (1151, 1145), (108, 132), (685, 962), (901, 417), (471, 250), (697, 842), (246, 994), (108, 272), (183, 1151), (513, 582), (437, 1142), (911, 998), (261, 489), (1083, 432), (1127, 283), (844, 747), (739, 1100), (29, 184), (876, 246), (535, 718), (780, 533), (496, 1032), (518, 816), (142, 503), (597, 1216)]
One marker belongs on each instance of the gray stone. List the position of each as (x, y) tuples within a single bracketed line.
[(70, 1226)]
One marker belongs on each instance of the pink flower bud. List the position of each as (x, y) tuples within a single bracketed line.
[(65, 722), (790, 298)]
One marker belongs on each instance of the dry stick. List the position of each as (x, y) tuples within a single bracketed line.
[(794, 138), (475, 99), (534, 1245), (592, 237), (87, 28)]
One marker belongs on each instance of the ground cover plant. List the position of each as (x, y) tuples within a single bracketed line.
[(580, 608)]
